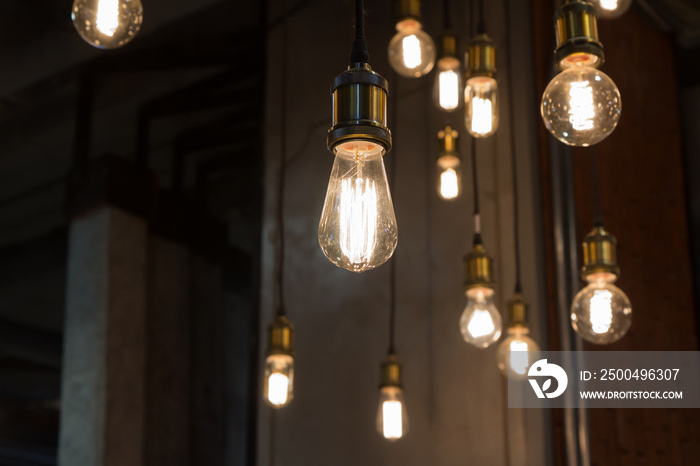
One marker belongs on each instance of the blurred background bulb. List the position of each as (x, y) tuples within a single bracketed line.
[(448, 84), (517, 352), (609, 9), (107, 24), (601, 312), (449, 177), (481, 99), (480, 323), (358, 228), (581, 106), (411, 50), (279, 380), (392, 420)]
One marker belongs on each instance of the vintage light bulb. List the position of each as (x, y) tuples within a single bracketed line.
[(392, 417), (447, 89), (601, 312), (480, 323), (481, 88), (517, 351), (411, 51), (358, 228), (107, 24), (449, 169), (609, 9), (279, 380), (581, 106)]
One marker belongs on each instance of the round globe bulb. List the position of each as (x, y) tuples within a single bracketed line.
[(411, 50), (601, 312), (480, 323), (609, 9), (107, 24), (581, 106), (517, 352)]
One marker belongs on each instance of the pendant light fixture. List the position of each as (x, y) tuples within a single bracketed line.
[(481, 88), (411, 51), (449, 165), (358, 228), (107, 24), (279, 362), (581, 106), (517, 351), (601, 313), (480, 323), (610, 9), (448, 79)]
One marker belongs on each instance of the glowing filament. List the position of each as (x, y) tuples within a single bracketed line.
[(449, 185), (518, 357), (358, 217), (107, 20), (581, 109), (449, 89), (482, 115), (278, 386), (601, 311), (609, 4), (392, 421), (480, 324), (411, 51)]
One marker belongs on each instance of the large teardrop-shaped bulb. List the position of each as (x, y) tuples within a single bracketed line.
[(481, 99), (392, 418), (517, 352), (601, 312), (480, 323), (358, 229), (107, 24)]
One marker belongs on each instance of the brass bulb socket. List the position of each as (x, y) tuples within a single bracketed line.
[(281, 337), (478, 269), (518, 311), (448, 142), (447, 48), (599, 253), (576, 29), (359, 107), (390, 372), (407, 9), (481, 57)]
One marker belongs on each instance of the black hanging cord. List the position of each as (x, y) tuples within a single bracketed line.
[(475, 186), (392, 182), (471, 18), (513, 158), (598, 220), (359, 45), (481, 25), (281, 172), (446, 21)]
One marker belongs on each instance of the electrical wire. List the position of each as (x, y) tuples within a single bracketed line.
[(598, 212), (359, 52), (392, 182), (481, 25), (446, 21), (282, 170), (475, 186)]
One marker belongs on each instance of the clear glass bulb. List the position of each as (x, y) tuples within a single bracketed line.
[(581, 106), (609, 9), (601, 312), (358, 228), (449, 177), (107, 24), (279, 380), (481, 98), (392, 419), (517, 352), (480, 323), (411, 50), (448, 84)]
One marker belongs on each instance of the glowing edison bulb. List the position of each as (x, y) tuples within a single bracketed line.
[(609, 9), (481, 98), (449, 182), (581, 106), (279, 380), (517, 352), (448, 84), (358, 228), (107, 24), (411, 51), (392, 419), (601, 312), (480, 323)]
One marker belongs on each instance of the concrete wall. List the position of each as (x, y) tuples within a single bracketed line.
[(454, 393)]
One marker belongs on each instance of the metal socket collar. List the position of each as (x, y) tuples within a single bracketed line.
[(359, 107), (599, 253), (517, 312), (448, 45), (576, 29), (390, 372), (407, 9), (448, 142), (478, 268), (481, 57), (281, 336)]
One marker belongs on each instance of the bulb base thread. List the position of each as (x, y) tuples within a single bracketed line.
[(478, 267), (359, 107), (518, 312), (599, 253), (448, 45), (281, 337), (448, 142), (481, 57), (390, 372), (576, 29), (407, 9)]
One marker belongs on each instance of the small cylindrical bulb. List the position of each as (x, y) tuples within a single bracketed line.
[(448, 84), (279, 380), (449, 177), (481, 99), (517, 352), (411, 51), (358, 229), (392, 420), (481, 321), (601, 312), (107, 24)]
